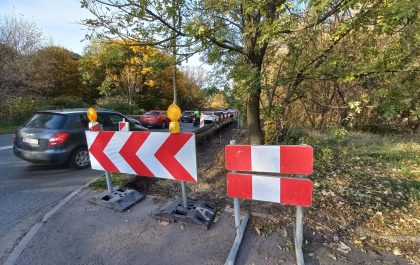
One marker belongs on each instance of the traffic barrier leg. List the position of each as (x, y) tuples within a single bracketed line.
[(298, 233), (119, 199), (185, 210), (240, 226)]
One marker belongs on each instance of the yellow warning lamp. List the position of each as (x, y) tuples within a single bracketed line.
[(92, 115), (174, 114)]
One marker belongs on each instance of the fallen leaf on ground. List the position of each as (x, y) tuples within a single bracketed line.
[(343, 248), (396, 251)]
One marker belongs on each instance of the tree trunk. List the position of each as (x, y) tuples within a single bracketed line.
[(253, 117)]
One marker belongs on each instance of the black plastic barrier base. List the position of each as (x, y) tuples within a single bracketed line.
[(197, 213), (120, 199)]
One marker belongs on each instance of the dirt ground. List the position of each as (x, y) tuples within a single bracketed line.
[(329, 237)]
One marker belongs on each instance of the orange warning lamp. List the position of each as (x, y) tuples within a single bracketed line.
[(174, 112), (92, 115)]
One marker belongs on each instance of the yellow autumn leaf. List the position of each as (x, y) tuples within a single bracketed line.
[(150, 83)]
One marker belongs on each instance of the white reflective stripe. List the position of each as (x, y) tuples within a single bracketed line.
[(125, 127), (90, 138), (265, 188), (112, 151), (147, 154), (186, 157), (265, 158)]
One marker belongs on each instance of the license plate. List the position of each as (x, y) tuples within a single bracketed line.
[(30, 140)]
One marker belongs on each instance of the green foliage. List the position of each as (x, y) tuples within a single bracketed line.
[(120, 180), (65, 103), (118, 104), (339, 133), (19, 109), (8, 127)]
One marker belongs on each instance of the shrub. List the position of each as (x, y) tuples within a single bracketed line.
[(18, 109), (119, 105), (66, 103)]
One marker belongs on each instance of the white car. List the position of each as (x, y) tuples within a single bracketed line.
[(210, 117)]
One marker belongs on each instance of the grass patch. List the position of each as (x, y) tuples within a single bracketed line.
[(368, 181), (8, 127), (118, 179)]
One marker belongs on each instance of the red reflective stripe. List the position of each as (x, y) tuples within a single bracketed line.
[(129, 150), (238, 157), (296, 191), (166, 156), (296, 159), (97, 150), (96, 127), (121, 125), (239, 185)]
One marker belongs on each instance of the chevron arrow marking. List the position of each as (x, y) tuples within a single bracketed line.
[(129, 150), (97, 150), (156, 154), (167, 152)]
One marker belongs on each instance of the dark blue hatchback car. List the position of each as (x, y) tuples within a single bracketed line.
[(58, 136)]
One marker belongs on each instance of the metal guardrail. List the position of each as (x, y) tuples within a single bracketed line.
[(209, 130)]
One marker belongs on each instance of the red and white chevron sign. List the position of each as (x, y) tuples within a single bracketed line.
[(292, 191), (152, 154), (285, 159)]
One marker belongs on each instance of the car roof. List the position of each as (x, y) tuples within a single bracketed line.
[(76, 110)]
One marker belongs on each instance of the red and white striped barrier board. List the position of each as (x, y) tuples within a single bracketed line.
[(285, 159), (152, 154), (201, 120), (124, 126), (291, 191), (94, 126)]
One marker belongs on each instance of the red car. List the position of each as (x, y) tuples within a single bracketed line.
[(155, 118)]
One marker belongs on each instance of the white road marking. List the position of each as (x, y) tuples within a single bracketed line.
[(6, 147)]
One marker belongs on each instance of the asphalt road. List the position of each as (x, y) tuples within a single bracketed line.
[(28, 191)]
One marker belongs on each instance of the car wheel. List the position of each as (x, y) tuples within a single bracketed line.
[(80, 158), (163, 125)]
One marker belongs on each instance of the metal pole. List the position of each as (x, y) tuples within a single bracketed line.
[(109, 181), (238, 239), (298, 233), (240, 226), (236, 205), (183, 183), (237, 213), (184, 194), (174, 53)]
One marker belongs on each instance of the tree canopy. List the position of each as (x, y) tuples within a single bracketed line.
[(242, 33)]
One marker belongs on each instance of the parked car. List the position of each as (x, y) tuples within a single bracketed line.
[(155, 118), (210, 117), (134, 118), (187, 116), (58, 136)]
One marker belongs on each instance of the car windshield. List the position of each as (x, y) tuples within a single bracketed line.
[(152, 113), (187, 113), (46, 121)]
